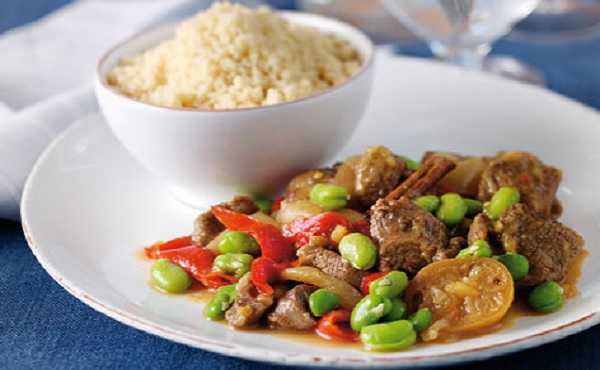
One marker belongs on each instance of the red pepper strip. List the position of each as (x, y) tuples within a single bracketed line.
[(276, 206), (368, 279), (362, 226), (197, 261), (153, 250), (216, 279), (331, 326), (272, 244), (301, 230), (265, 271)]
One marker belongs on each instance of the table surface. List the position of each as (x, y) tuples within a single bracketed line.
[(42, 326)]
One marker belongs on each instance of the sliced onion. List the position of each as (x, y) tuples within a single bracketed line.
[(292, 210), (352, 215), (464, 179), (347, 294), (264, 218)]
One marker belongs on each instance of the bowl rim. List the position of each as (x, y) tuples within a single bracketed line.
[(100, 80)]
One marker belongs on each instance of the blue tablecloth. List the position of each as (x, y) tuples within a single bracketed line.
[(43, 327)]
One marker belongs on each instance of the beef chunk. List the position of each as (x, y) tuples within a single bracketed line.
[(207, 227), (454, 246), (424, 179), (408, 236), (316, 255), (249, 305), (480, 229), (292, 311), (549, 245), (536, 182), (300, 186)]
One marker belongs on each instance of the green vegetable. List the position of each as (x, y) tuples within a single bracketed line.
[(263, 203), (390, 285), (390, 336), (411, 164), (359, 250), (222, 300), (452, 210), (516, 264), (398, 311), (322, 301), (473, 206), (546, 297), (329, 196), (430, 203), (505, 197), (236, 264), (421, 319), (480, 248), (169, 276), (368, 311), (238, 242)]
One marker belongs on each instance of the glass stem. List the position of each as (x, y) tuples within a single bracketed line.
[(468, 57)]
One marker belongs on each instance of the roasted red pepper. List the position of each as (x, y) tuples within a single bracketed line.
[(368, 279), (264, 271), (301, 230), (334, 326), (362, 226), (272, 244), (276, 206), (153, 250)]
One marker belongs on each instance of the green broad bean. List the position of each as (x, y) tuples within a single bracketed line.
[(452, 209), (411, 164), (264, 204), (473, 206), (390, 285), (398, 311), (430, 203), (505, 197), (389, 336), (322, 301), (169, 277), (359, 250), (238, 242), (546, 297), (479, 248), (421, 319), (368, 311), (223, 299), (236, 264), (517, 265), (329, 197)]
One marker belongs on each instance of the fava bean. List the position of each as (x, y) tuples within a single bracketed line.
[(236, 264), (263, 204), (390, 336), (515, 263), (421, 319), (452, 209), (546, 297), (169, 277), (359, 250), (329, 196), (221, 301), (411, 164), (390, 285), (368, 311), (430, 203), (505, 197), (479, 248), (322, 301), (473, 206), (397, 312), (238, 242)]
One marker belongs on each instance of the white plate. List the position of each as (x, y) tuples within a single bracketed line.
[(88, 208)]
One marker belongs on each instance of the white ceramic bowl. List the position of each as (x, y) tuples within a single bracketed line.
[(209, 155)]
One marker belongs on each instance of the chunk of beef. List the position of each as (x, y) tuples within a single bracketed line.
[(207, 227), (424, 179), (408, 236), (454, 246), (249, 305), (536, 182), (292, 310), (316, 255), (300, 186), (480, 229), (549, 245)]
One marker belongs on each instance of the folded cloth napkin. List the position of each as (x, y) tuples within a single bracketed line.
[(45, 79)]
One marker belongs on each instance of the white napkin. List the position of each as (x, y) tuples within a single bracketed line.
[(45, 75)]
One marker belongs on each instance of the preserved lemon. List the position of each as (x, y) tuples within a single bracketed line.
[(464, 295)]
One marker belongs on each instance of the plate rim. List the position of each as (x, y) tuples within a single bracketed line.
[(273, 356)]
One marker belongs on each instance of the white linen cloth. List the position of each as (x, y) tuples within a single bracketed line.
[(46, 71)]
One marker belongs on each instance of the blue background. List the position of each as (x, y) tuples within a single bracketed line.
[(43, 327)]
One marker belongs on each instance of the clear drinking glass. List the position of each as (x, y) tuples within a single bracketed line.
[(462, 31)]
